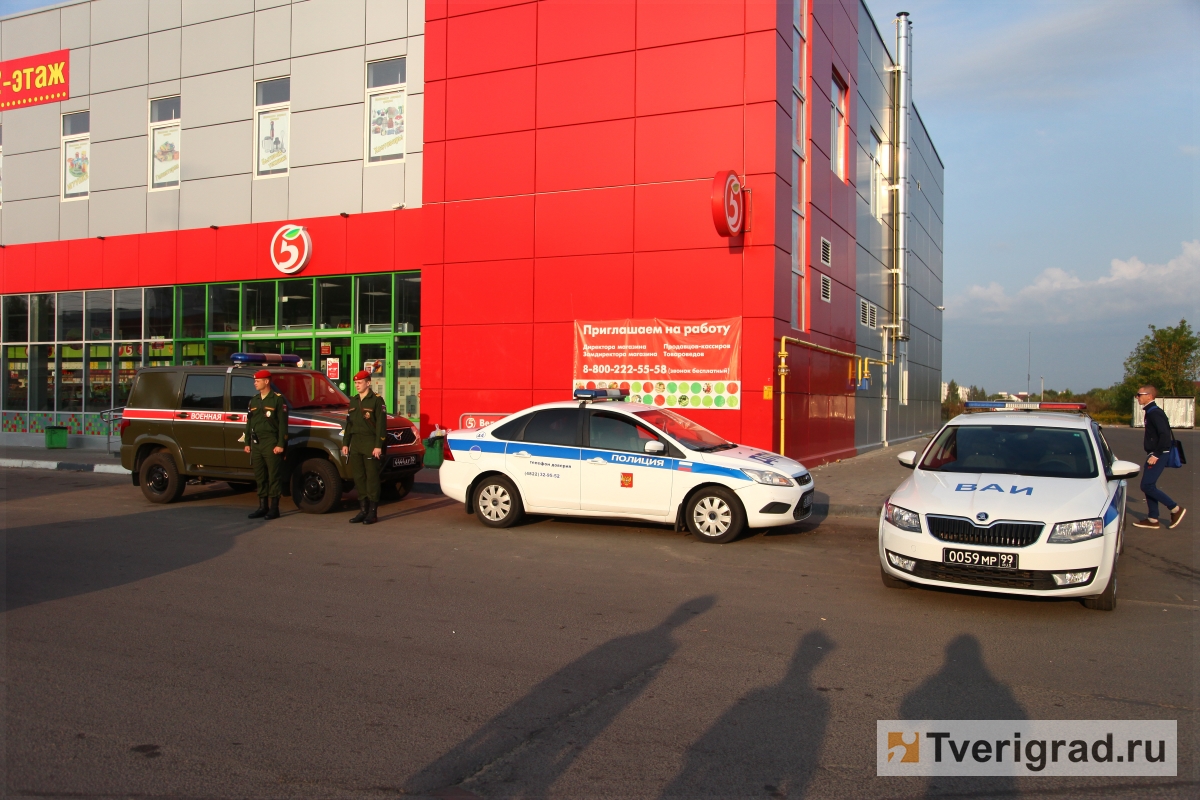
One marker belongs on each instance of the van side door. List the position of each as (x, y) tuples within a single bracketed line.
[(199, 424)]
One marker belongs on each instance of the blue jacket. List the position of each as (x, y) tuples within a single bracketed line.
[(1158, 438)]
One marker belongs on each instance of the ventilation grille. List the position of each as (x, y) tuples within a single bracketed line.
[(826, 288), (874, 316), (868, 314), (826, 252)]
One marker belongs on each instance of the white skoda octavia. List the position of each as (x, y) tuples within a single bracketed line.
[(1015, 501), (619, 459)]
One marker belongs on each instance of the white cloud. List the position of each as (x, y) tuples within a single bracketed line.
[(1189, 149), (1057, 297)]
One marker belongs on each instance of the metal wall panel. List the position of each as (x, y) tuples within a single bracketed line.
[(118, 212), (386, 19), (325, 190), (120, 64), (328, 79), (322, 25), (31, 34), (75, 26), (31, 220), (215, 201), (165, 14), (383, 186), (119, 19), (165, 55), (162, 211), (270, 199), (220, 97), (81, 72), (216, 150), (196, 11), (30, 175), (119, 164), (73, 220), (31, 129), (218, 45), (119, 115), (328, 134), (273, 34)]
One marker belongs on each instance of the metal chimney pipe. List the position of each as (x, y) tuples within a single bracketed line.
[(903, 101)]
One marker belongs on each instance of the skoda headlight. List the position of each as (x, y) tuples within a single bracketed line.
[(768, 477), (1078, 531), (902, 518)]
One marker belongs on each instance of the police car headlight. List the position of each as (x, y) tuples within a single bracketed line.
[(902, 518), (1078, 531), (768, 477)]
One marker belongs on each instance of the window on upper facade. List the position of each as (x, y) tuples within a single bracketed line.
[(272, 126), (164, 143), (386, 106), (837, 128), (877, 193), (75, 155)]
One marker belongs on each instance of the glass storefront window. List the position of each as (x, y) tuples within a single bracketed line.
[(70, 316), (99, 312), (16, 318), (191, 311), (296, 304), (223, 308), (70, 374), (41, 328), (41, 377), (258, 306), (99, 378), (333, 298), (408, 302), (16, 367), (221, 352), (129, 313), (129, 361), (160, 312), (299, 347), (408, 376), (260, 346), (375, 304), (160, 354), (193, 354)]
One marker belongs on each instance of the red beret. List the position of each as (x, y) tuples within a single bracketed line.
[(262, 373), (362, 375)]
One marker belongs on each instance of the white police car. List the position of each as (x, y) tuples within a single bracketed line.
[(620, 459), (1021, 500)]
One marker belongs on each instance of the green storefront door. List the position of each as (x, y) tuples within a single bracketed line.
[(374, 354)]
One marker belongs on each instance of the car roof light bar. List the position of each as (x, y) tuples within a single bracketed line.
[(1018, 405), (601, 394), (265, 359)]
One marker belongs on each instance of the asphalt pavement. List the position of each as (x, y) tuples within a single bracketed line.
[(187, 651)]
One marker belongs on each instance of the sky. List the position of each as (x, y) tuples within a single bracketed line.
[(1069, 133), (1068, 130)]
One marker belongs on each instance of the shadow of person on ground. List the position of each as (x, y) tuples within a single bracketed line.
[(768, 743), (964, 689), (525, 748), (64, 559)]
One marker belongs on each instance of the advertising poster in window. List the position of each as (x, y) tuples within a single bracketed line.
[(273, 128), (386, 139), (663, 362), (164, 161), (75, 168)]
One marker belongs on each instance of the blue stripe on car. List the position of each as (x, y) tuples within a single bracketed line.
[(1114, 508), (485, 445)]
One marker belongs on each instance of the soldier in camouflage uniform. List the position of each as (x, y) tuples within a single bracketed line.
[(364, 435), (266, 438)]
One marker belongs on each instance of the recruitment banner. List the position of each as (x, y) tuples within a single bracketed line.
[(33, 80), (663, 362)]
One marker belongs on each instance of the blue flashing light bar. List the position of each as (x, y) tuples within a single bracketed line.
[(266, 360), (1017, 405), (601, 394)]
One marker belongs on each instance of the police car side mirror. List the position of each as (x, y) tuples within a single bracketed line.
[(908, 458), (1124, 469), (655, 448)]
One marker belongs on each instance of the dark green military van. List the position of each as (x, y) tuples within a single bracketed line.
[(184, 423)]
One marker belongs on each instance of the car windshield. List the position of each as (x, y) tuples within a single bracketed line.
[(684, 431), (1013, 450), (308, 390)]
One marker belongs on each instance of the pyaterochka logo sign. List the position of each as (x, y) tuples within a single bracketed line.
[(1026, 747)]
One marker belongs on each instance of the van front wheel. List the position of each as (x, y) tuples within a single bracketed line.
[(316, 486), (159, 479)]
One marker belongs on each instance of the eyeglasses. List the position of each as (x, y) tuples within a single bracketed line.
[(1142, 394)]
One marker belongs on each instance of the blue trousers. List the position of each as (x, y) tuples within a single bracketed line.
[(1155, 495)]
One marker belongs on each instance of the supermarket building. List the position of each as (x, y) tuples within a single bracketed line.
[(442, 190)]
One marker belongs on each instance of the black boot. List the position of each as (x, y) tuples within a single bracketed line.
[(362, 512), (371, 519), (274, 512), (262, 509)]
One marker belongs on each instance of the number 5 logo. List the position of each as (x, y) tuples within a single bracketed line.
[(291, 248)]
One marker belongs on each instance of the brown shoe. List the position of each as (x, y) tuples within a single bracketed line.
[(1177, 517), (1146, 523)]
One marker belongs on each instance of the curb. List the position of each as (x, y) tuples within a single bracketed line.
[(65, 466)]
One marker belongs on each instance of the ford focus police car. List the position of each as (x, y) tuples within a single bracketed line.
[(1023, 500), (621, 459)]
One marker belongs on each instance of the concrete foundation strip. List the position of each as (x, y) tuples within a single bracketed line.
[(65, 466)]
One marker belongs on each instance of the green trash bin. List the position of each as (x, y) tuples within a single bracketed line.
[(433, 450), (56, 437)]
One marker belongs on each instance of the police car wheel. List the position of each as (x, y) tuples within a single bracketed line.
[(1106, 600), (316, 487), (159, 479), (399, 489), (715, 515), (497, 503)]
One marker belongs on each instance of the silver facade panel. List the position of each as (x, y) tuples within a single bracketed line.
[(383, 187), (415, 122), (218, 45), (273, 34), (119, 164), (81, 72), (269, 199), (197, 11), (335, 78), (75, 26), (165, 55), (326, 189), (162, 211), (73, 220), (31, 175), (322, 25), (30, 129), (31, 34), (216, 150), (214, 201), (328, 134), (415, 66), (259, 5), (386, 19), (218, 98), (119, 115), (119, 19), (165, 14), (117, 213), (120, 64), (31, 220)]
